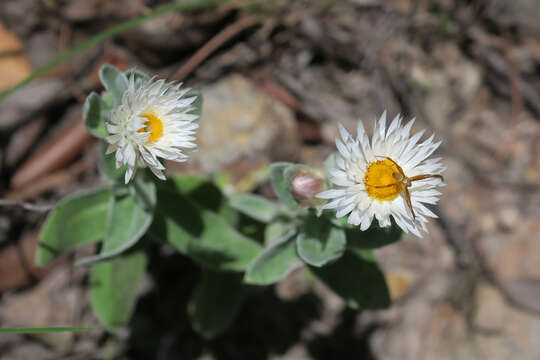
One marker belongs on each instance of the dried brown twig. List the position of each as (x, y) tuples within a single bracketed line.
[(25, 205), (213, 44)]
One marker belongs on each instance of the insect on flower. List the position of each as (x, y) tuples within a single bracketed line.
[(403, 183), (389, 176)]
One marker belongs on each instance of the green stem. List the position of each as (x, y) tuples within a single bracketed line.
[(40, 330), (109, 33)]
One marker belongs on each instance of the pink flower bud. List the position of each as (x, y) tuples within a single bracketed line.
[(304, 187)]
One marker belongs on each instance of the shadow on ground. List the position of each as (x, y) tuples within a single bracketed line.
[(265, 325)]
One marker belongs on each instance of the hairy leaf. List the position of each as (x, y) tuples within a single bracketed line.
[(274, 262), (79, 219), (94, 115), (114, 81), (130, 216), (281, 174), (255, 207), (113, 288), (319, 242)]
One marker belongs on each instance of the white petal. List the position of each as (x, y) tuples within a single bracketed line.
[(354, 218), (345, 210), (330, 194)]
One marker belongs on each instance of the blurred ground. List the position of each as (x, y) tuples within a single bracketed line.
[(275, 89)]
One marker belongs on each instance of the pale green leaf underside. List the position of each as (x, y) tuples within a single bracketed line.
[(319, 242), (255, 207), (130, 216), (274, 262), (79, 219), (94, 113), (114, 81), (281, 174)]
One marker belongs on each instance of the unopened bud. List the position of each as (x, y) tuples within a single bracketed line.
[(304, 187)]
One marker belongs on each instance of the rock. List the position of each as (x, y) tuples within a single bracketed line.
[(509, 217), (490, 308), (297, 352), (399, 282), (523, 292), (293, 286), (240, 121), (332, 307), (445, 335), (420, 274), (454, 75), (515, 254)]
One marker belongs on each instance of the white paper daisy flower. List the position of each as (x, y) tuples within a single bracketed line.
[(152, 121), (389, 176)]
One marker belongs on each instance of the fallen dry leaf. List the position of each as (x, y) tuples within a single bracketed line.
[(14, 67), (54, 155), (17, 267)]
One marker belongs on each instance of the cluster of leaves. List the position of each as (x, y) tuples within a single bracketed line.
[(240, 242)]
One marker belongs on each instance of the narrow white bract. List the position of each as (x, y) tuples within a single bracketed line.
[(153, 121), (374, 179)]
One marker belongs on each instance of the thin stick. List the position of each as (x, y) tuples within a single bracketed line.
[(213, 44), (25, 205)]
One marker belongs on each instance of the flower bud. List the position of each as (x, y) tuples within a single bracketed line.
[(305, 185)]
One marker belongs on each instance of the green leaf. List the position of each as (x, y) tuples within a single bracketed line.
[(107, 165), (94, 112), (216, 302), (281, 174), (130, 216), (114, 81), (319, 242), (373, 238), (205, 194), (113, 288), (275, 230), (79, 219), (356, 277), (255, 207), (274, 262), (197, 104), (199, 233), (138, 75)]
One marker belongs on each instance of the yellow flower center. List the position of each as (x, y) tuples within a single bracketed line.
[(153, 125), (380, 181)]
